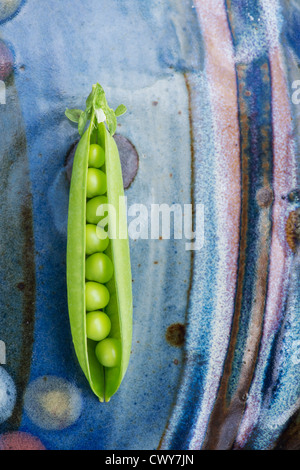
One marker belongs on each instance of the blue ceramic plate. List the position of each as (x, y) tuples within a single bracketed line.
[(213, 116)]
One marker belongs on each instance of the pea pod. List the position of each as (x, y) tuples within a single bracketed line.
[(99, 282)]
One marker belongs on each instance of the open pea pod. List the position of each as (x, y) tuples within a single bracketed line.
[(104, 361)]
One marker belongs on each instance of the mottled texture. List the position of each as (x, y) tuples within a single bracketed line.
[(241, 405), (6, 61), (210, 121), (292, 229)]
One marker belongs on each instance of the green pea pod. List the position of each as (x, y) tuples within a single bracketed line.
[(104, 380)]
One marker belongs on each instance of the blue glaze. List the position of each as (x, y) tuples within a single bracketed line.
[(202, 296), (290, 30), (144, 53), (60, 67), (251, 52), (256, 96), (281, 388)]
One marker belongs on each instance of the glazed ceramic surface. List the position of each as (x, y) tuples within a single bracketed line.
[(213, 116)]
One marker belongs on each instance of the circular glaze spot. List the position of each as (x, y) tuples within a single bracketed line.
[(52, 403), (6, 61), (20, 441), (175, 334), (7, 395), (129, 159), (8, 8), (70, 159), (264, 197)]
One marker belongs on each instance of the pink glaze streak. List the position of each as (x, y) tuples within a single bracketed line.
[(221, 76)]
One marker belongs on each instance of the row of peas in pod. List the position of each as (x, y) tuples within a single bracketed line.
[(99, 281), (99, 268)]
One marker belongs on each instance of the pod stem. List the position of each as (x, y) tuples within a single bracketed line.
[(96, 104)]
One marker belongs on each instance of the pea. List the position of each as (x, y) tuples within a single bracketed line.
[(96, 239), (96, 156), (97, 296), (98, 325), (92, 207), (96, 183), (99, 280), (99, 268), (108, 352)]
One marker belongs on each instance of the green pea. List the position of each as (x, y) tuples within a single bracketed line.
[(99, 268), (98, 325), (96, 156), (96, 183), (108, 352), (98, 313), (96, 239), (92, 207), (96, 295)]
